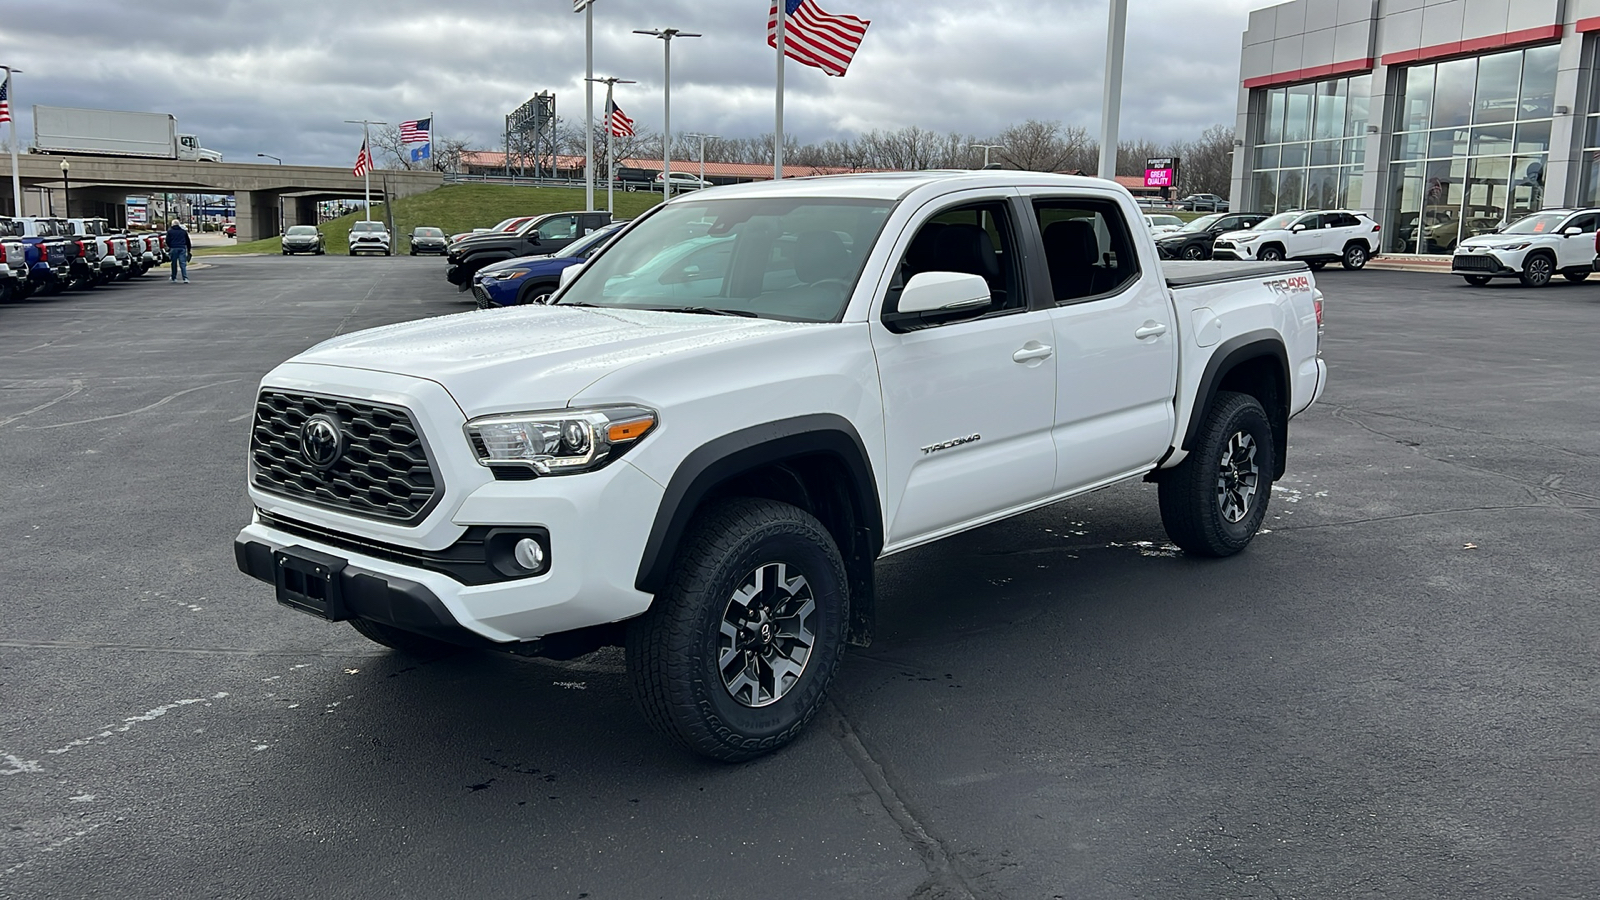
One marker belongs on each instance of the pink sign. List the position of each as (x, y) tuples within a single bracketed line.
[(1158, 178)]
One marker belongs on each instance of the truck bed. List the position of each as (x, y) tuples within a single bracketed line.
[(1193, 273)]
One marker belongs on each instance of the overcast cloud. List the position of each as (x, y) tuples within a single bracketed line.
[(280, 77)]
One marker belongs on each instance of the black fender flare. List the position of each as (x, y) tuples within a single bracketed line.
[(1230, 354), (745, 450)]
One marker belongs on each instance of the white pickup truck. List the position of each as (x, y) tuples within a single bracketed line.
[(699, 449)]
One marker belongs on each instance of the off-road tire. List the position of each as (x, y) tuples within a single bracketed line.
[(1477, 280), (1191, 508), (408, 642), (1575, 276), (1537, 270), (1271, 253), (1355, 256), (672, 650)]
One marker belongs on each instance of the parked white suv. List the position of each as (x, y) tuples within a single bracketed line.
[(370, 237), (682, 182), (730, 412), (1532, 249), (1318, 238)]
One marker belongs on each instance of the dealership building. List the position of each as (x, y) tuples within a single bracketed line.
[(1439, 118)]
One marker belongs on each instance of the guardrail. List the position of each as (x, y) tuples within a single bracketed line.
[(531, 181)]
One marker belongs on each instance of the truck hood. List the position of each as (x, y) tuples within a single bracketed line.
[(535, 357)]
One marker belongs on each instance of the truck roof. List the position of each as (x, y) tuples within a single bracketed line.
[(897, 185)]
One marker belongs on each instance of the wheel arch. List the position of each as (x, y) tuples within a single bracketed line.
[(529, 287), (1254, 363), (816, 462)]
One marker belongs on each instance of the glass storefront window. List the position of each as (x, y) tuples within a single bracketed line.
[(1297, 115), (1498, 79), (1533, 137), (1539, 82), (1272, 117), (1359, 93), (1330, 109), (1416, 100), (1452, 95), (1306, 135)]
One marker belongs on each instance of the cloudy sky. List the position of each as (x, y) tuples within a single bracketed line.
[(280, 76)]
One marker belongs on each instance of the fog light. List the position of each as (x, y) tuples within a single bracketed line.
[(529, 554)]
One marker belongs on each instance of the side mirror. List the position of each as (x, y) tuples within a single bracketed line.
[(1573, 231), (533, 237), (943, 292), (567, 274), (1298, 228)]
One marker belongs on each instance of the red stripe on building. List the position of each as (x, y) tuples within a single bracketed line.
[(1587, 25), (1543, 34), (1312, 74)]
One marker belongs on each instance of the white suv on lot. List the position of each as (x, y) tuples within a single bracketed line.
[(1321, 237), (370, 237), (1532, 249)]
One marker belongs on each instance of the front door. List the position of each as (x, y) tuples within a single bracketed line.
[(1308, 240), (1116, 341), (969, 398)]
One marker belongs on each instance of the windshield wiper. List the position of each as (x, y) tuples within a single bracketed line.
[(704, 311)]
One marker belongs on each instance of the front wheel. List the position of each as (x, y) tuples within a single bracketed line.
[(1270, 254), (1476, 280), (1575, 277), (1537, 271), (734, 658), (1194, 252), (1213, 502), (1355, 257)]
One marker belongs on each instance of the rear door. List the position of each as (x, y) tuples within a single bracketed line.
[(969, 398), (1115, 338)]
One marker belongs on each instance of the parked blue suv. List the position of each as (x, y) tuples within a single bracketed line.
[(515, 282)]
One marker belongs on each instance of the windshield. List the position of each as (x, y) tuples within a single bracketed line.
[(1278, 222), (428, 232), (367, 226), (303, 230), (1538, 223), (583, 245), (795, 259), (1204, 223)]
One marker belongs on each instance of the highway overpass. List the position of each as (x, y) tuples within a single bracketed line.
[(101, 184)]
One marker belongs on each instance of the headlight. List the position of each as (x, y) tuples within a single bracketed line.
[(561, 442), (1523, 246), (507, 275), (1245, 238)]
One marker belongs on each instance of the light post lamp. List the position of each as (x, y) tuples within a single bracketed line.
[(702, 138), (66, 187), (986, 149), (666, 35), (271, 157), (280, 196)]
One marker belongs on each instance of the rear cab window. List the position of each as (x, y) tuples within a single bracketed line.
[(1088, 247)]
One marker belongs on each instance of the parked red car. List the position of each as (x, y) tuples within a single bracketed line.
[(229, 230)]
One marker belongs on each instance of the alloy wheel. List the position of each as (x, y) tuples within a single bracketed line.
[(1239, 478), (766, 636)]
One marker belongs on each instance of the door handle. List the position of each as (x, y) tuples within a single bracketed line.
[(1149, 329), (1031, 351)]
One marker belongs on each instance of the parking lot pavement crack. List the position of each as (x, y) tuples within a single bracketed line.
[(76, 389), (944, 879), (364, 298), (1580, 510), (132, 412)]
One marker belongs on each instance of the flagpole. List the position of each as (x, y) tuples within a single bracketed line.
[(16, 178), (611, 161), (782, 9), (366, 148), (588, 105)]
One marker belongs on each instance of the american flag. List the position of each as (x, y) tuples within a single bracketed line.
[(817, 38), (5, 104), (363, 161), (416, 132), (621, 125)]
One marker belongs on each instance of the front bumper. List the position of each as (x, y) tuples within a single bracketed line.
[(1487, 263), (1231, 250), (308, 247)]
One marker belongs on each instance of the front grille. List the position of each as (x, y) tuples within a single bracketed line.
[(1475, 264), (383, 472), (482, 296)]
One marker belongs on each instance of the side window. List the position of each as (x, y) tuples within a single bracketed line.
[(558, 228), (1087, 247), (1311, 222), (1587, 223), (975, 239), (1342, 220)]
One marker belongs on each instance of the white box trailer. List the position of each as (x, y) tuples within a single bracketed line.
[(113, 132)]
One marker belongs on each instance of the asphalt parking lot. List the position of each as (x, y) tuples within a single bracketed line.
[(1393, 692)]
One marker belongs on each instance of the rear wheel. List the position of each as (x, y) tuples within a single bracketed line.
[(1575, 276), (408, 642), (1270, 253), (1355, 256), (1213, 502), (734, 658), (1476, 280), (1537, 270)]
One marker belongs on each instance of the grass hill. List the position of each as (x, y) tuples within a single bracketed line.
[(455, 208)]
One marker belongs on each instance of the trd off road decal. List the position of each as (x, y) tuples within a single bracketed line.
[(1298, 284)]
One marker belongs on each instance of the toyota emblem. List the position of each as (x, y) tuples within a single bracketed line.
[(321, 442)]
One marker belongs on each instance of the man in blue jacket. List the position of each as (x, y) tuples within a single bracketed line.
[(178, 247)]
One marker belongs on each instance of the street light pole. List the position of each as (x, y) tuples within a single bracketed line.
[(587, 6), (271, 157), (1111, 104), (986, 149), (611, 162), (666, 35), (702, 138), (66, 188), (16, 178)]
